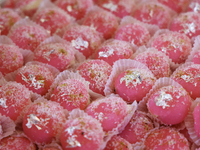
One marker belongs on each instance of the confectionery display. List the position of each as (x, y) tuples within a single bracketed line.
[(99, 74)]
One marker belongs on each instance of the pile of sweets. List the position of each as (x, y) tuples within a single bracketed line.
[(100, 74)]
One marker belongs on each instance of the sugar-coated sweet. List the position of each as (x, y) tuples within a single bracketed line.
[(76, 8), (36, 78), (169, 104), (134, 84), (196, 57), (177, 5), (59, 55), (157, 62), (14, 98), (16, 142), (52, 19), (187, 23), (196, 117), (118, 143), (11, 58), (153, 13), (97, 73), (82, 133), (139, 125), (28, 37), (189, 78), (120, 8), (166, 138), (8, 18), (43, 121), (103, 21), (176, 46), (83, 38), (71, 94), (134, 33), (109, 111), (113, 50)]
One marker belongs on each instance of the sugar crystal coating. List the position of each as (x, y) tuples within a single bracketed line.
[(97, 73), (14, 98), (76, 8), (153, 13), (166, 138), (135, 33), (157, 62), (35, 77), (82, 133), (71, 94), (83, 38), (108, 111), (28, 37), (103, 21), (139, 125), (175, 45), (8, 18), (114, 50), (59, 55), (43, 121), (187, 23), (170, 104), (52, 19), (134, 84), (189, 78), (11, 58)]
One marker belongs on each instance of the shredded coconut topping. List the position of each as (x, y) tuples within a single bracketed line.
[(3, 102), (79, 43), (72, 139), (189, 28), (37, 84), (46, 55), (163, 99), (106, 54), (34, 120), (69, 8), (133, 77), (110, 6), (195, 6)]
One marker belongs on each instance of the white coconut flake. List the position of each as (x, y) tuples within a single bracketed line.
[(106, 54), (69, 8), (79, 43), (133, 78), (189, 28), (163, 99), (46, 55), (110, 6), (3, 102)]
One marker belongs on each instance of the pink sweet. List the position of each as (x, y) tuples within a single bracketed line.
[(28, 7), (187, 23), (113, 50), (43, 121), (8, 18), (97, 73), (14, 98), (76, 8), (153, 13), (135, 33), (11, 58), (196, 117), (59, 55), (36, 78), (134, 84), (166, 138), (109, 111), (120, 8), (83, 38), (52, 19), (175, 45), (157, 62), (139, 125), (28, 36), (71, 94), (16, 142), (9, 4), (103, 21), (194, 6), (82, 133), (177, 5), (189, 78), (118, 143), (196, 57), (169, 104)]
